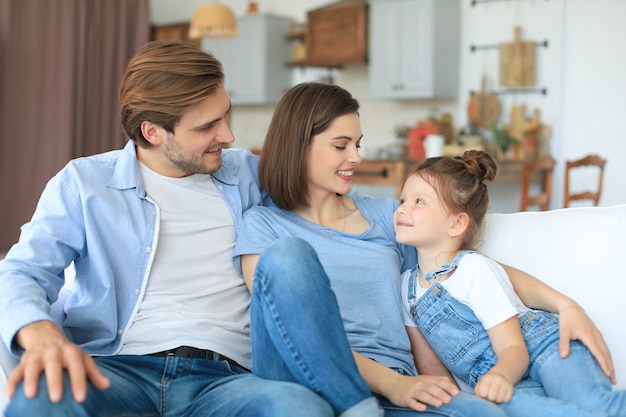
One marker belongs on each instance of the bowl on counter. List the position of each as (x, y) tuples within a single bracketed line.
[(371, 153), (393, 153)]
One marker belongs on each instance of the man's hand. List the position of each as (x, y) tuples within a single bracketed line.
[(417, 392), (575, 324), (47, 349)]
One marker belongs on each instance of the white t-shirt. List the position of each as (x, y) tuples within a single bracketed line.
[(193, 296), (481, 284)]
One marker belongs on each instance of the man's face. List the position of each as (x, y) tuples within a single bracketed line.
[(196, 145)]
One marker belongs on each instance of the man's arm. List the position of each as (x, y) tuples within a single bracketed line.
[(47, 349)]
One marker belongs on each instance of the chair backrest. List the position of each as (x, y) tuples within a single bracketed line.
[(592, 160), (544, 168)]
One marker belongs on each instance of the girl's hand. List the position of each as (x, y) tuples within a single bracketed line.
[(494, 387)]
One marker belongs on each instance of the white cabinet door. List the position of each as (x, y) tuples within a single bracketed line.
[(255, 62), (414, 48)]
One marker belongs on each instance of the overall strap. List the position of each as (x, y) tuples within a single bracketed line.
[(414, 277), (448, 266)]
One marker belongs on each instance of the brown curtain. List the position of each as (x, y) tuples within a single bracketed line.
[(60, 66)]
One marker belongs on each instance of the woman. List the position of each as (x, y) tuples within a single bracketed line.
[(308, 159)]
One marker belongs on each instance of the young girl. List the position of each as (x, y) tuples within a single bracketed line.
[(465, 306)]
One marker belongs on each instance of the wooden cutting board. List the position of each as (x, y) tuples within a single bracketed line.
[(483, 109), (517, 62)]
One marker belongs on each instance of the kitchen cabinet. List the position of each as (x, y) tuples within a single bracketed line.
[(255, 60), (414, 49), (175, 31), (337, 34)]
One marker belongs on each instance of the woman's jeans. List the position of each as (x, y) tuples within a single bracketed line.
[(147, 386), (298, 335), (552, 386)]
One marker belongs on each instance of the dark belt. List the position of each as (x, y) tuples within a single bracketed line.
[(195, 353)]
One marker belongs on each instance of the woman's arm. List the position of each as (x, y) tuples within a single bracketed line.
[(414, 392), (575, 324), (426, 360), (510, 348), (248, 265)]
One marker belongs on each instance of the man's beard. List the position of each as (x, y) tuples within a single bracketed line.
[(173, 151)]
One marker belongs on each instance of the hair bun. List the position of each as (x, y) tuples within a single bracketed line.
[(481, 164)]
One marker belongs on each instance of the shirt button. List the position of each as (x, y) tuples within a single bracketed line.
[(137, 291), (120, 331), (149, 249), (154, 213)]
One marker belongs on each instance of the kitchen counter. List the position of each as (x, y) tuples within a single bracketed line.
[(393, 173)]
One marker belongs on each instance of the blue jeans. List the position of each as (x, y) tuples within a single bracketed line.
[(155, 386), (298, 335), (552, 386)]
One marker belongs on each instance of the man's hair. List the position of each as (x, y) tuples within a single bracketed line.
[(304, 111), (162, 81)]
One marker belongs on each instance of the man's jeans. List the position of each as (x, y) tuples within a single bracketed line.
[(146, 386), (295, 317)]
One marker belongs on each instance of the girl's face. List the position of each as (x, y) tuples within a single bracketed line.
[(333, 156), (421, 220)]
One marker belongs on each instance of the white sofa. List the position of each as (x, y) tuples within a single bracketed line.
[(575, 250)]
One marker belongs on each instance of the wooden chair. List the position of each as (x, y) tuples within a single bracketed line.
[(544, 167), (592, 160)]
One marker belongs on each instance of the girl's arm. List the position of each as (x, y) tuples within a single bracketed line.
[(510, 348), (575, 324)]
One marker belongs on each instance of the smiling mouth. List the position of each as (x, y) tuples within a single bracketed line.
[(345, 173)]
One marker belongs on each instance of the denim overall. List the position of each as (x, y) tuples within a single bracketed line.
[(461, 342)]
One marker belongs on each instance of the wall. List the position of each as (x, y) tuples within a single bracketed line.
[(581, 68)]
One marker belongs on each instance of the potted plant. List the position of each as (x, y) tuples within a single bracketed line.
[(503, 141)]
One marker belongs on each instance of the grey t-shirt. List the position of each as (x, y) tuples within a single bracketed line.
[(364, 271)]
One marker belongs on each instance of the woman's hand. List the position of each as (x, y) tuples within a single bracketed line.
[(575, 324), (417, 392)]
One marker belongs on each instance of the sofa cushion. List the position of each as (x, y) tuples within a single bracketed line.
[(576, 251)]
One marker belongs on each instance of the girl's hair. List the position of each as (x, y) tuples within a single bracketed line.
[(162, 81), (459, 182), (306, 110)]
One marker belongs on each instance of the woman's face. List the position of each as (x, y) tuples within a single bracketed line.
[(334, 155)]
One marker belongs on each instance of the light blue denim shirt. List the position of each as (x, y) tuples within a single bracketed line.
[(95, 213)]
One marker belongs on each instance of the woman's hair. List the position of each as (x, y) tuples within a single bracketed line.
[(161, 82), (306, 110), (459, 182)]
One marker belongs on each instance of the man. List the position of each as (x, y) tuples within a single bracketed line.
[(159, 321)]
